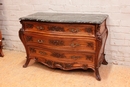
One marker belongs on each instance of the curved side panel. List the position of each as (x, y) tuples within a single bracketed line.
[(21, 34)]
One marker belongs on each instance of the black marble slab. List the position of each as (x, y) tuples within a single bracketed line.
[(66, 17)]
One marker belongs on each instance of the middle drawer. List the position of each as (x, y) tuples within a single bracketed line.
[(64, 43)]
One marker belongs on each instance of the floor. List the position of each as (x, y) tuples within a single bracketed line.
[(12, 74)]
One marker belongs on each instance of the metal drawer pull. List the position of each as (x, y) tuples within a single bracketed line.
[(40, 28), (75, 57), (74, 45), (40, 41), (74, 30)]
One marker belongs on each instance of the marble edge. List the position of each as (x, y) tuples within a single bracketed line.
[(32, 18)]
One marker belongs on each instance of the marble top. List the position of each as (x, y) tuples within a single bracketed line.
[(66, 17)]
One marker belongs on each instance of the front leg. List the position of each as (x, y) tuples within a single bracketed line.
[(97, 74), (27, 62)]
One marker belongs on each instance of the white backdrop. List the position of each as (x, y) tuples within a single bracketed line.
[(118, 43)]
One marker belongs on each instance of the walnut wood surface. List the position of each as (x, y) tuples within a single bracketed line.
[(64, 45)]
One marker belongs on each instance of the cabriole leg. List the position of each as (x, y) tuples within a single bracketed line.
[(97, 74), (27, 62)]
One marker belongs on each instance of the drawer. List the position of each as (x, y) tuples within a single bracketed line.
[(64, 43), (60, 28), (61, 56)]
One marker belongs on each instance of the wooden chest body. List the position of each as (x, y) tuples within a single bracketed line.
[(64, 44)]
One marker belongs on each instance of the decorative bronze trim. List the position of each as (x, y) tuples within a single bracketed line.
[(90, 44), (40, 28), (42, 53), (74, 30), (29, 25), (89, 57), (74, 45), (58, 55), (29, 38), (98, 34), (89, 29), (64, 66), (40, 41), (32, 50), (49, 63), (68, 65), (56, 42), (85, 66), (56, 28)]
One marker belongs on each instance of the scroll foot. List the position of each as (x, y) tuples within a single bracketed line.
[(26, 63), (97, 74)]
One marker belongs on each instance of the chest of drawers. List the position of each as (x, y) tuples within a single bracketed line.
[(65, 41)]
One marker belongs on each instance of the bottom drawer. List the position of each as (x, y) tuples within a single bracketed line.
[(62, 58)]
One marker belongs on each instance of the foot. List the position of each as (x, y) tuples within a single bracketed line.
[(97, 75), (104, 60)]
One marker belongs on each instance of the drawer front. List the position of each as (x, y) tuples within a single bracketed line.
[(61, 56), (61, 29), (64, 43)]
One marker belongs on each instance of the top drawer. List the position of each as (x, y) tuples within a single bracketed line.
[(60, 28)]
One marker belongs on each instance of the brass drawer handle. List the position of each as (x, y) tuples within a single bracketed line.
[(74, 30), (56, 42), (40, 41), (74, 45), (40, 28)]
